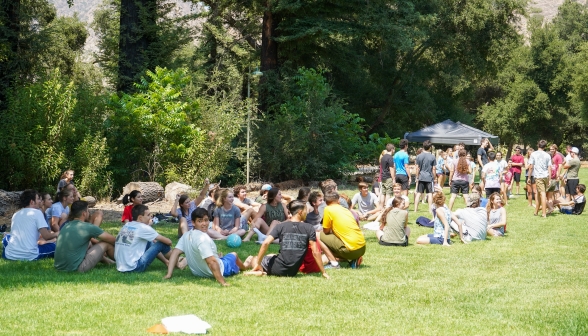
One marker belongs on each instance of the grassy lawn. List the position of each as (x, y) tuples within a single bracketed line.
[(531, 282)]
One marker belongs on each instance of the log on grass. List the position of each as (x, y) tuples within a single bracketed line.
[(9, 200), (151, 191)]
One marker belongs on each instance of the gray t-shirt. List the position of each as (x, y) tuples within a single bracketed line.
[(366, 203), (574, 168), (226, 218), (541, 162), (425, 161), (315, 219), (495, 218), (198, 246), (475, 222)]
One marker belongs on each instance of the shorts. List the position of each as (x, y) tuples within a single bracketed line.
[(338, 248), (571, 186), (387, 187), (490, 191), (516, 177), (405, 243), (566, 210), (244, 225), (93, 257), (425, 187), (45, 250), (553, 186), (437, 240), (403, 180), (458, 186), (542, 184), (268, 262), (530, 179), (230, 265), (495, 233)]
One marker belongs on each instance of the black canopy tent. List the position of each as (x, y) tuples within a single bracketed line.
[(450, 133)]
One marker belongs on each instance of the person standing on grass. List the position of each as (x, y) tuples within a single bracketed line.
[(496, 216), (440, 167), (425, 172), (77, 248), (273, 212), (470, 223), (492, 174), (394, 230), (138, 244), (183, 207), (366, 202), (134, 198), (27, 224), (295, 237), (227, 218), (517, 163), (540, 168), (530, 186), (570, 174), (388, 174), (458, 177), (401, 165), (201, 253), (440, 235), (341, 234), (482, 156)]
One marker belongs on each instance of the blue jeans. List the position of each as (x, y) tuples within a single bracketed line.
[(151, 252)]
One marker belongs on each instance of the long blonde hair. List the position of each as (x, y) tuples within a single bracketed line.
[(223, 196)]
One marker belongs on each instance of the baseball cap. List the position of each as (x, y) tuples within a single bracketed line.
[(575, 150), (266, 187), (473, 199)]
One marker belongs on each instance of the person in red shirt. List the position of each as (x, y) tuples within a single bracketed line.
[(134, 198), (517, 162)]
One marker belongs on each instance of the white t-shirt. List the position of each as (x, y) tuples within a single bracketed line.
[(198, 246), (131, 243), (492, 172), (57, 209), (503, 164), (541, 162), (24, 234), (405, 198)]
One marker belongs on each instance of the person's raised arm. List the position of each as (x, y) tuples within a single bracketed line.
[(215, 268), (441, 216), (107, 237), (317, 258), (286, 211), (46, 234), (164, 240), (203, 192), (173, 260), (174, 209)]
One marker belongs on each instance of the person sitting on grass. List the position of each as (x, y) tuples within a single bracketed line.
[(315, 199), (470, 223), (138, 244), (210, 198), (328, 186), (576, 205), (135, 198), (247, 207), (183, 207), (77, 248), (46, 205), (341, 234), (60, 209), (227, 218), (477, 190), (262, 198), (201, 253), (353, 212), (295, 237), (367, 203), (273, 212), (440, 235), (23, 243), (394, 230), (496, 215)]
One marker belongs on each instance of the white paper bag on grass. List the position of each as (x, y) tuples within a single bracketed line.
[(189, 324)]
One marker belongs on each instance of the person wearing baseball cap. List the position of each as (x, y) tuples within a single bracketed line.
[(261, 199), (470, 223), (569, 174)]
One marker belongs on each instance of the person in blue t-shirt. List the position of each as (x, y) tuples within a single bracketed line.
[(401, 166)]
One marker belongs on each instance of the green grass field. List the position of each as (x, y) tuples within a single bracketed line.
[(531, 282)]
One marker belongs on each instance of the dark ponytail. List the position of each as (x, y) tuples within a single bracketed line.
[(128, 197)]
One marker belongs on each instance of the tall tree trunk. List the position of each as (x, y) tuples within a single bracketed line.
[(269, 52), (10, 16), (137, 33)]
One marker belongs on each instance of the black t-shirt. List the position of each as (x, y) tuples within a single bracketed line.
[(294, 238), (387, 163), (375, 185), (483, 155)]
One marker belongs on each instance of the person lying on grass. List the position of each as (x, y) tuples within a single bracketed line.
[(394, 230), (27, 224), (77, 248), (138, 244), (576, 205), (341, 234), (201, 254), (295, 237), (440, 235), (227, 218), (183, 207)]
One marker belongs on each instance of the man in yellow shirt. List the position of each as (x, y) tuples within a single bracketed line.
[(341, 234)]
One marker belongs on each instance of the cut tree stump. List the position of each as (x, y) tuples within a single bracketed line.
[(175, 188), (151, 191)]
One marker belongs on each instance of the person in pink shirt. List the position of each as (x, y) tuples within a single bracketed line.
[(517, 162), (507, 185)]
